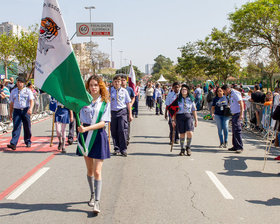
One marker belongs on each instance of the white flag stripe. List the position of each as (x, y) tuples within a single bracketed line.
[(50, 44), (16, 193)]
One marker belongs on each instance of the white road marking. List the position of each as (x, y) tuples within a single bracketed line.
[(219, 185), (17, 192)]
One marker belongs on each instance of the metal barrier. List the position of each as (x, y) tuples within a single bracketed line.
[(257, 117), (40, 110)]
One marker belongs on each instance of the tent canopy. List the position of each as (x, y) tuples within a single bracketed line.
[(161, 79)]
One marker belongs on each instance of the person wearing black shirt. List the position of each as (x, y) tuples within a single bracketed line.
[(257, 97), (218, 106)]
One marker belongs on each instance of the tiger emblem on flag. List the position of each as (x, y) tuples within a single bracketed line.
[(48, 31)]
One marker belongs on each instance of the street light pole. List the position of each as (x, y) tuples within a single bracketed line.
[(90, 8), (111, 39), (91, 56), (121, 59)]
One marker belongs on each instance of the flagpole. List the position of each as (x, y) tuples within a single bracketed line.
[(81, 134)]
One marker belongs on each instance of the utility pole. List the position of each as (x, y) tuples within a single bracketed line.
[(111, 39)]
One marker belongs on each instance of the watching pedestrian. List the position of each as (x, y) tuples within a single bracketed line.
[(236, 108)]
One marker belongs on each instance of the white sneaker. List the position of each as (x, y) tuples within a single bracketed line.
[(96, 207), (91, 201)]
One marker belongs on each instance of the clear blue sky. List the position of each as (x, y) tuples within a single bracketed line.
[(143, 28)]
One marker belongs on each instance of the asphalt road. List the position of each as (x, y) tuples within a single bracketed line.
[(151, 185)]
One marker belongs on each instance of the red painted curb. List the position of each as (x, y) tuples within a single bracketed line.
[(36, 122), (25, 177)]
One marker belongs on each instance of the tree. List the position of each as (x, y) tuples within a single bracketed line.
[(7, 49), (222, 52), (126, 69), (160, 63), (257, 25), (26, 50), (191, 65)]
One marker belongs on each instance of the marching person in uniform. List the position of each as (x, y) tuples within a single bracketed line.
[(136, 102), (21, 106), (149, 95), (158, 99), (63, 116), (120, 106), (93, 118), (132, 97), (185, 118), (236, 109), (172, 95)]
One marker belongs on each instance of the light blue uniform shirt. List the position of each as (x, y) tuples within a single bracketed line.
[(198, 93), (170, 98), (119, 99), (88, 113), (21, 99), (235, 96), (186, 106), (158, 93)]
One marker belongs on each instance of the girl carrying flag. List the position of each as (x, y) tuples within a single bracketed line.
[(93, 118)]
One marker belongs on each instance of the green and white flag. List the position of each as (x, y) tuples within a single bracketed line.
[(56, 68)]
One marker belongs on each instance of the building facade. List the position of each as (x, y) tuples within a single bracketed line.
[(149, 69), (11, 29)]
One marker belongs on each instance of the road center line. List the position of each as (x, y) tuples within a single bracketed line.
[(219, 185), (27, 183)]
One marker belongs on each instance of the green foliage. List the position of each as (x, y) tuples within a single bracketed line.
[(161, 62), (7, 49), (257, 26), (126, 69), (26, 49)]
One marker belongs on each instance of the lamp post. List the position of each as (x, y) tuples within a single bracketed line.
[(121, 59), (111, 39), (90, 8)]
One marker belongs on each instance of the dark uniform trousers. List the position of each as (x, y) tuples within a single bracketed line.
[(236, 132), (135, 106), (72, 127), (119, 129), (171, 130), (20, 116), (159, 105)]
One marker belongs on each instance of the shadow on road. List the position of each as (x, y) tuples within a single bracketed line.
[(269, 202), (151, 143), (248, 174), (150, 137), (26, 208), (152, 154)]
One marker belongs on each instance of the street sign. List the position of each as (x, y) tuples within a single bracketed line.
[(94, 29)]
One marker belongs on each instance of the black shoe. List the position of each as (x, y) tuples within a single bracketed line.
[(59, 146), (161, 113), (232, 149), (124, 154), (11, 146), (170, 143), (116, 153), (157, 114), (176, 141), (127, 143), (28, 145), (182, 153), (189, 152), (70, 141), (239, 151), (136, 116), (63, 150)]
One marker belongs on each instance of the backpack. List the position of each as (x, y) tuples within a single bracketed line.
[(210, 96)]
